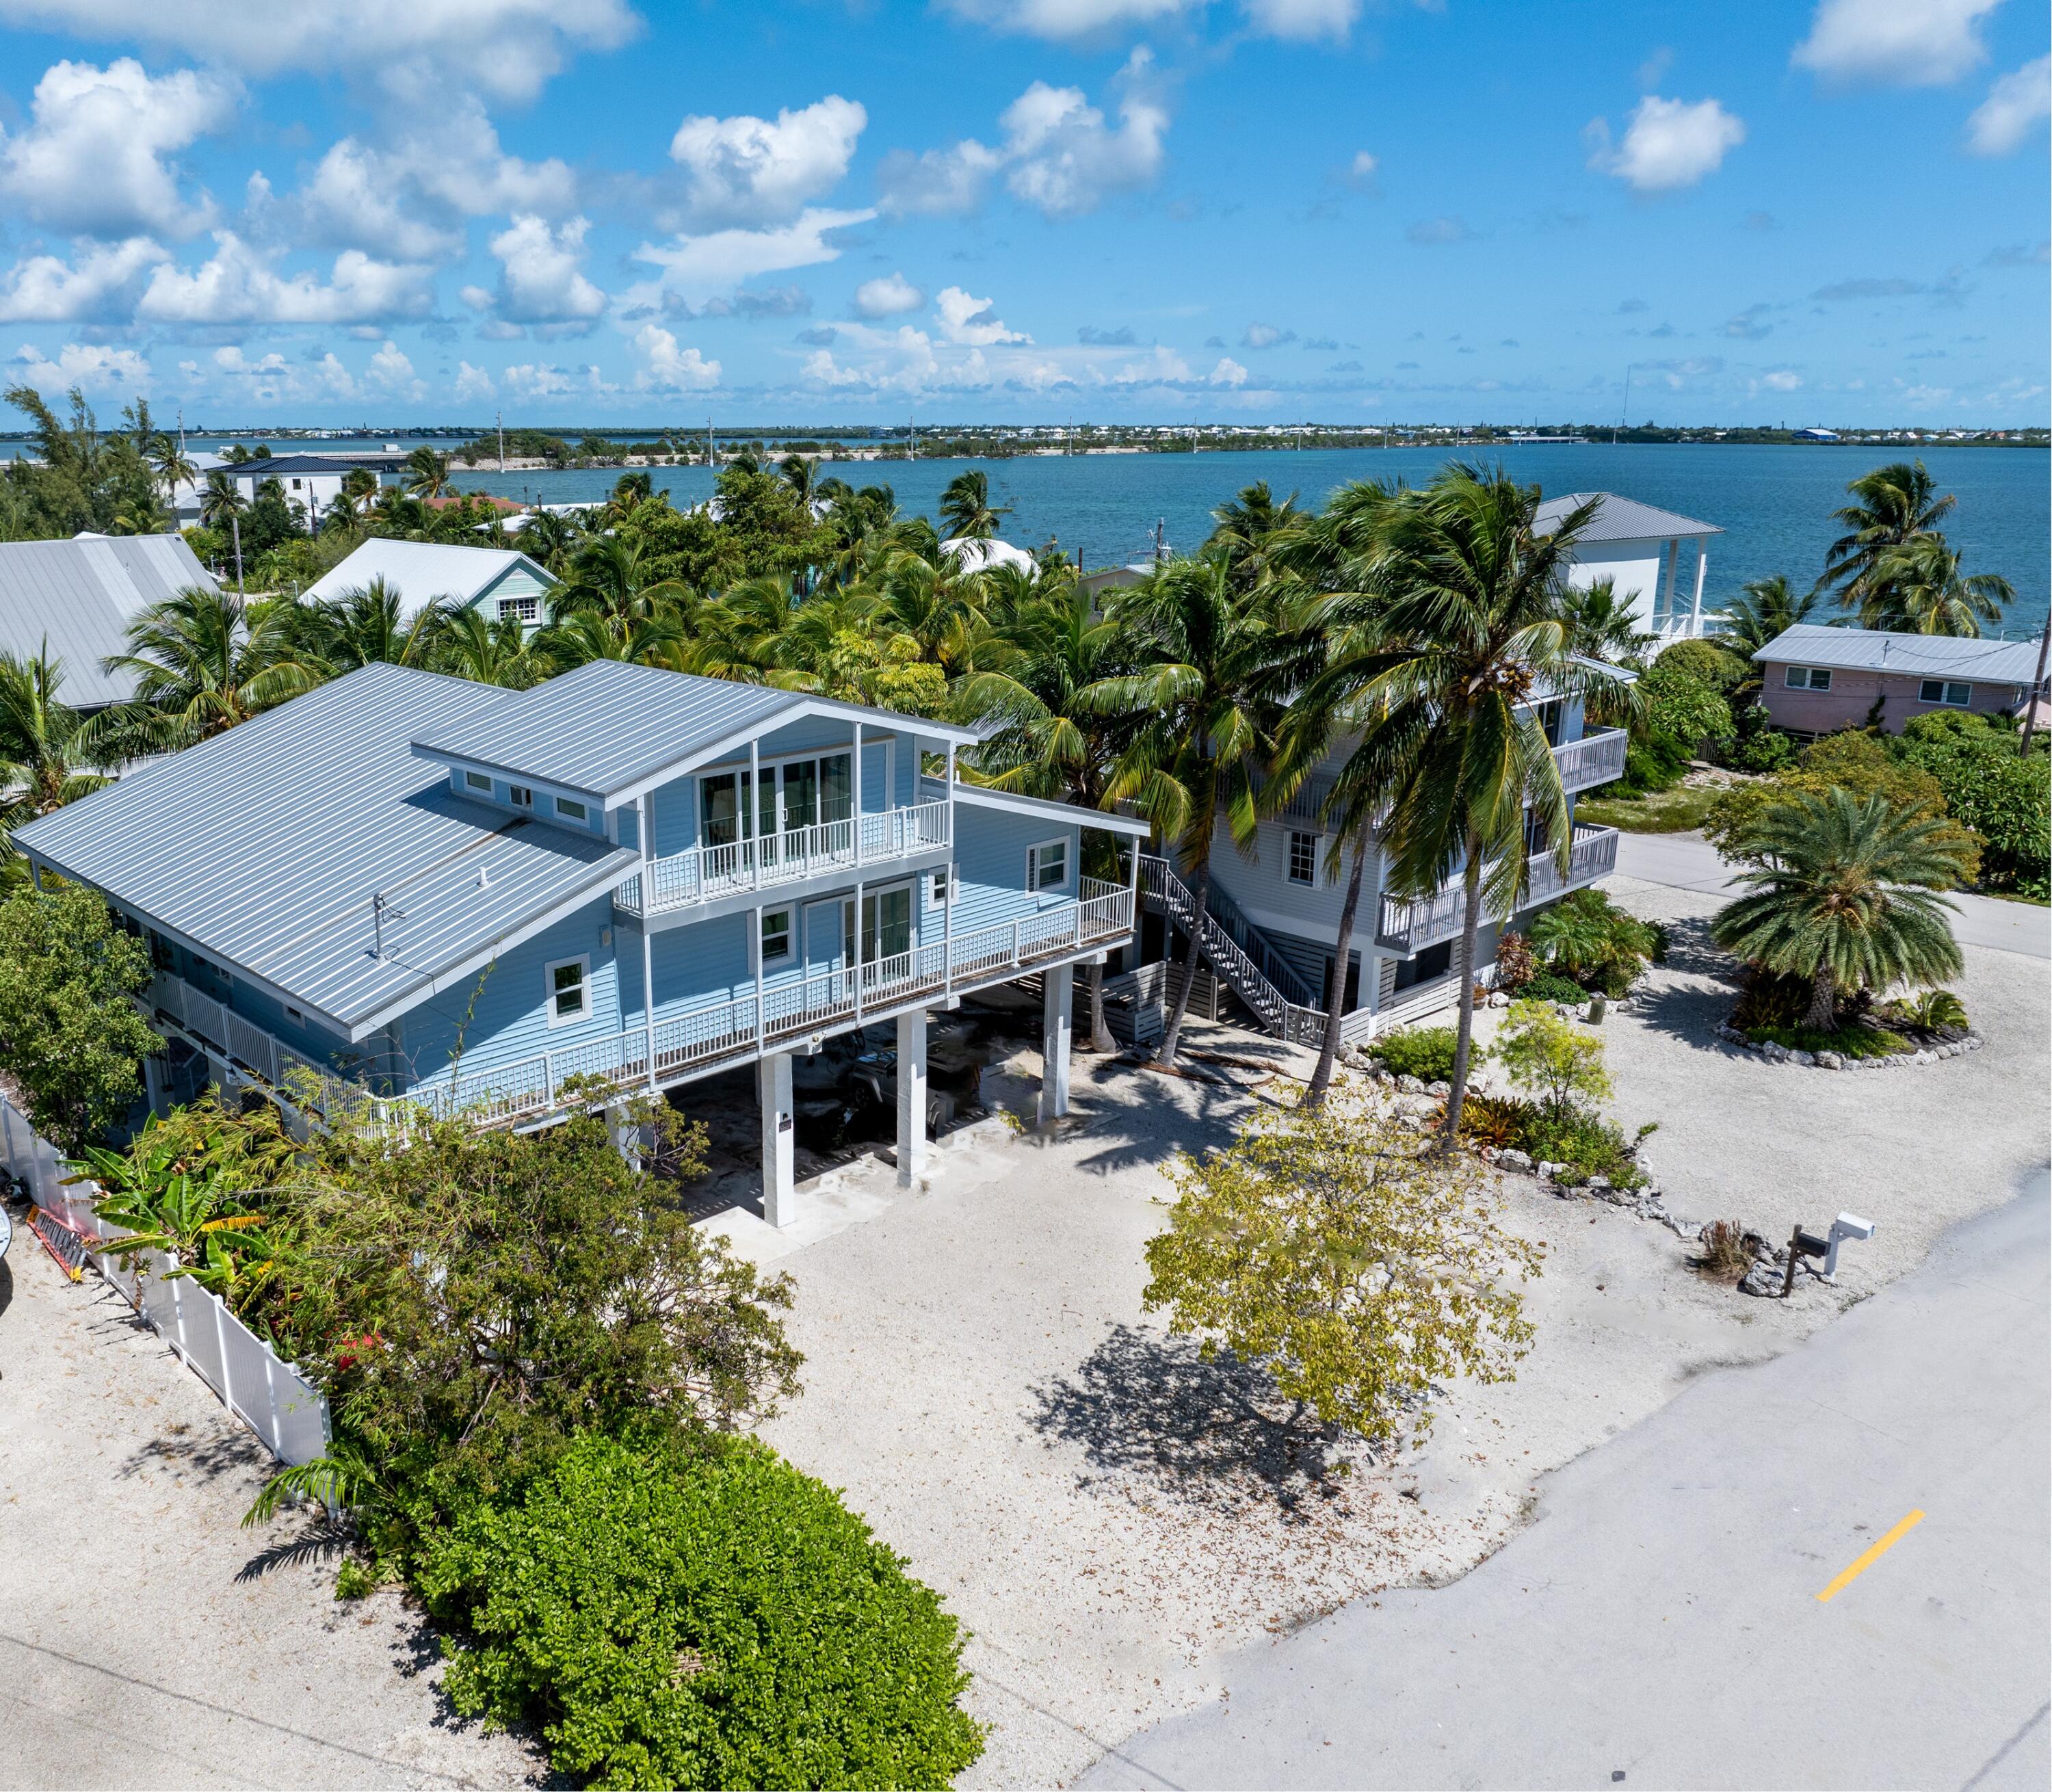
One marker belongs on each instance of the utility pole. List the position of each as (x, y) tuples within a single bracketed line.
[(1624, 416), (501, 421), (2037, 684), (912, 423)]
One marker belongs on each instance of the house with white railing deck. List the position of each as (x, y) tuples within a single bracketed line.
[(404, 894)]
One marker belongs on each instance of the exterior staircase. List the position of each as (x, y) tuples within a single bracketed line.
[(1260, 976)]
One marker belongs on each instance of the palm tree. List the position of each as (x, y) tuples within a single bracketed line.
[(1249, 526), (801, 474), (1050, 740), (427, 472), (610, 577), (470, 646), (169, 461), (1844, 892), (43, 762), (359, 489), (1892, 503), (965, 507), (202, 664), (548, 539), (584, 635), (740, 634), (140, 515), (1211, 670), (1453, 631), (222, 501), (1767, 607), (1602, 626), (369, 626), (1917, 589)]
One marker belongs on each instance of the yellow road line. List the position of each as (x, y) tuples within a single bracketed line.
[(1872, 1556)]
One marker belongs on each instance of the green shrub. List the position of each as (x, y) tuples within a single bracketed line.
[(1851, 1040), (1707, 662), (1589, 938), (1426, 1053), (1684, 707), (1760, 746), (717, 1619), (2004, 799), (1586, 1143), (1549, 987), (353, 1580)]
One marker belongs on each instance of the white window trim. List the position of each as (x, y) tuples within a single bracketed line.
[(768, 762), (1034, 886), (520, 609), (789, 954), (1944, 699), (571, 808), (583, 963), (520, 795), (1290, 837), (477, 780)]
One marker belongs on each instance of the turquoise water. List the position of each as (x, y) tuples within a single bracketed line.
[(1774, 503)]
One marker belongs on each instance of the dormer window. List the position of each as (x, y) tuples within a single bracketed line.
[(477, 780), (519, 795), (520, 609), (572, 810)]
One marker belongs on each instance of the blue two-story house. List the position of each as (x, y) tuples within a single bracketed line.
[(1272, 923), (405, 892)]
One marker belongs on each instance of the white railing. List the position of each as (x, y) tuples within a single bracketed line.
[(285, 1410), (700, 873), (1595, 759), (1287, 1019), (1411, 926), (528, 1088)]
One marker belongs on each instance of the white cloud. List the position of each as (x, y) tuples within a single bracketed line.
[(697, 266), (237, 284), (1062, 157), (353, 198), (1912, 43), (1062, 20), (1361, 172), (92, 366), (1162, 367), (1265, 335), (540, 380), (92, 160), (473, 382), (391, 368), (1782, 379), (1301, 20), (1228, 372), (539, 280), (667, 368), (1669, 143), (972, 322), (507, 47), (2016, 105), (888, 295), (746, 170), (100, 283)]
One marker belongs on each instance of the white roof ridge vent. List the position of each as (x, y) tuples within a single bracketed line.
[(484, 876)]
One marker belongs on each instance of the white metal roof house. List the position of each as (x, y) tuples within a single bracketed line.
[(1818, 680), (405, 890), (1657, 559), (78, 598), (980, 553), (502, 582)]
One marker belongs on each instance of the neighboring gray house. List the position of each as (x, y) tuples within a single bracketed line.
[(1655, 558), (500, 582), (1817, 680), (78, 598)]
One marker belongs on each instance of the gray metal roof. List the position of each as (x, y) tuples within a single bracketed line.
[(1875, 650), (420, 572), (1070, 815), (262, 848), (1620, 519), (609, 727), (80, 595), (265, 467)]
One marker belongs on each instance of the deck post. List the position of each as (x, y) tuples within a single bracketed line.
[(1133, 939), (948, 906), (647, 949), (773, 1081), (911, 1096), (1057, 985), (750, 831), (857, 968), (855, 787), (761, 1008)]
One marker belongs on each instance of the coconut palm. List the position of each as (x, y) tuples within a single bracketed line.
[(1048, 739), (203, 663), (471, 646), (223, 501), (1844, 892), (1249, 526), (802, 473), (359, 489), (1451, 632), (1601, 625), (1212, 669), (584, 635), (740, 634), (612, 575), (1917, 589), (1892, 505), (44, 764), (169, 461), (427, 473), (368, 626), (548, 539), (1766, 608), (965, 507)]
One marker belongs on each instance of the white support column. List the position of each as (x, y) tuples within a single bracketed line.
[(751, 828), (779, 1204), (1058, 981), (153, 1067), (648, 831), (1702, 572), (855, 788), (911, 1096)]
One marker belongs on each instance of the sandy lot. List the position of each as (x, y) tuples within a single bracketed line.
[(1106, 1515)]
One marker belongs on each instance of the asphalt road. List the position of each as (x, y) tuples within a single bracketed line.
[(1689, 862), (1659, 1623)]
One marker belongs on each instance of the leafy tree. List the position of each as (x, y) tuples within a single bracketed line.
[(1684, 708), (1541, 1050), (70, 1036), (1843, 892), (1325, 1246), (1984, 785), (703, 1617), (44, 763)]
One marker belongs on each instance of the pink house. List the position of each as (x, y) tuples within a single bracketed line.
[(1818, 681)]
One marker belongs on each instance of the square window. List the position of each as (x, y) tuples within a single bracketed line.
[(1048, 866), (1820, 678), (520, 796), (776, 936), (940, 882), (1303, 858), (477, 780), (572, 810), (520, 609), (568, 997), (1796, 677)]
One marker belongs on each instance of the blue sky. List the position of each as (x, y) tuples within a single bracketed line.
[(854, 211)]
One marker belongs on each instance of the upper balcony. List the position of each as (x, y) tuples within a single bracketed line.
[(1594, 759), (705, 874), (1408, 927)]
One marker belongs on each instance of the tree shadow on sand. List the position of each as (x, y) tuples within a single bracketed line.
[(1148, 1408)]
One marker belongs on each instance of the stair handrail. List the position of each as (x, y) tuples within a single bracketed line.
[(1272, 964), (1289, 1020)]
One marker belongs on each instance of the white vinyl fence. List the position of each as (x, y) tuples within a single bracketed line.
[(271, 1397)]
